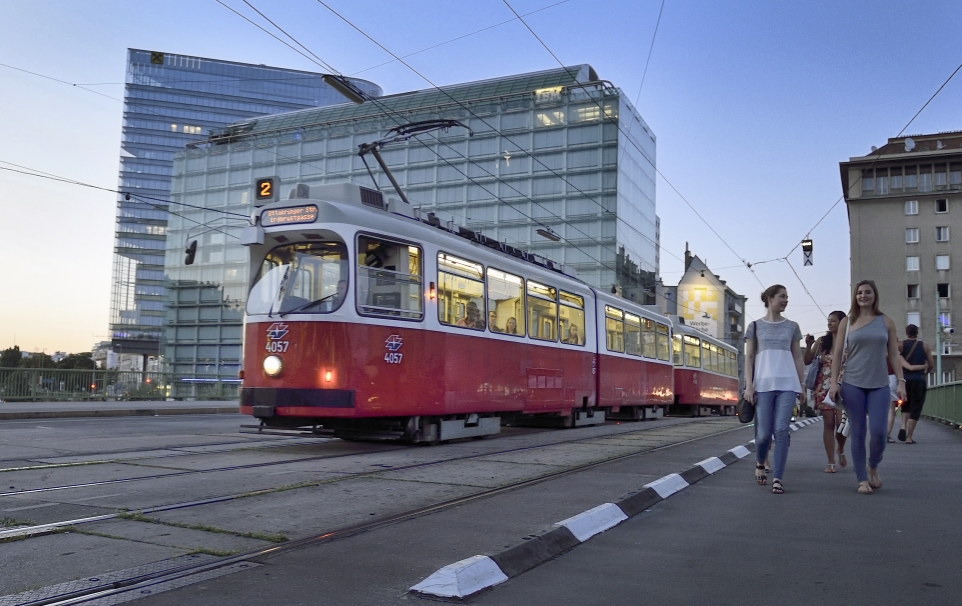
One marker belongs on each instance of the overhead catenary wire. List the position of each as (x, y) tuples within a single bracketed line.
[(644, 155), (389, 112), (877, 156), (506, 137)]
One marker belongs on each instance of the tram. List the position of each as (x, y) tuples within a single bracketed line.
[(706, 372), (366, 318)]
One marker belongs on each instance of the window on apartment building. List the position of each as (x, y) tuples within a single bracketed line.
[(945, 318), (955, 175), (912, 292), (896, 178), (912, 263), (925, 177), (942, 234), (941, 262), (911, 177), (944, 290), (913, 317), (940, 176), (911, 207), (882, 181), (868, 181), (911, 235), (942, 205)]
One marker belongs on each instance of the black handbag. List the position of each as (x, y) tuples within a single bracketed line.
[(746, 409)]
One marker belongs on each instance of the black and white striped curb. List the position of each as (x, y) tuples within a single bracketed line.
[(473, 574)]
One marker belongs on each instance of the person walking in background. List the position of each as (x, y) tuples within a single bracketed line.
[(820, 352), (869, 341), (919, 356), (773, 380)]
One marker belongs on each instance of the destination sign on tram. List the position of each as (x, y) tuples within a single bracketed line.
[(288, 216)]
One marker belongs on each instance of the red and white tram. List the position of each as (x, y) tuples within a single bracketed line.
[(706, 372), (365, 318)]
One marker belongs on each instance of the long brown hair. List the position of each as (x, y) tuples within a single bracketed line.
[(853, 313)]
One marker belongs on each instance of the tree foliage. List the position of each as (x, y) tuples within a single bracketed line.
[(10, 357)]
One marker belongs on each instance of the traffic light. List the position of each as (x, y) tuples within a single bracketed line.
[(265, 190), (191, 253)]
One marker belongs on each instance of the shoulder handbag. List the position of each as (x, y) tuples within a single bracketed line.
[(746, 408), (811, 375)]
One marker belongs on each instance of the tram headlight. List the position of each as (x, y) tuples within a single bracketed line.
[(273, 365)]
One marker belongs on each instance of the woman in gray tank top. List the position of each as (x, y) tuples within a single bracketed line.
[(869, 341)]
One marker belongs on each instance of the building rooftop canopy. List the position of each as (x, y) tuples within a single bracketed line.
[(482, 89)]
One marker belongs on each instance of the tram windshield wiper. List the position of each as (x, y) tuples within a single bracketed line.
[(307, 305), (280, 291)]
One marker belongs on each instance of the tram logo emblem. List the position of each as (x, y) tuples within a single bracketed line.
[(276, 331), (393, 343)]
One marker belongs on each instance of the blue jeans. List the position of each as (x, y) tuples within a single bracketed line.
[(858, 402), (773, 414)]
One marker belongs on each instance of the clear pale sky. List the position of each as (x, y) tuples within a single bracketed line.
[(753, 103)]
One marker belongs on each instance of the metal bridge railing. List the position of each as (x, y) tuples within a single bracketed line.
[(51, 384), (944, 403)]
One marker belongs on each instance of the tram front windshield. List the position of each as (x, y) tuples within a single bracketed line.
[(309, 277)]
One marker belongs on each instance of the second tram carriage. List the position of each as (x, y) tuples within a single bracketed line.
[(366, 318)]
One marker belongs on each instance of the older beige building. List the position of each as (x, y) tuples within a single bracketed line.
[(904, 207)]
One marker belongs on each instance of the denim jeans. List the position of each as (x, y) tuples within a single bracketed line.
[(858, 402), (773, 414)]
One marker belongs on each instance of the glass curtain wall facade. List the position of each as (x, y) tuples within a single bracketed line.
[(170, 101), (550, 148)]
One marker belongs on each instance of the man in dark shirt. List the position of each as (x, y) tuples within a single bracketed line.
[(915, 353)]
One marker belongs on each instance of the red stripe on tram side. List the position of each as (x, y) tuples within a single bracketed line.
[(398, 371), (627, 381), (695, 386)]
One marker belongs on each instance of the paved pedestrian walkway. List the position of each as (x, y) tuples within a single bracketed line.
[(50, 410), (726, 540)]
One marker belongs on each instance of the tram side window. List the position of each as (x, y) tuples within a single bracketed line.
[(615, 328), (706, 360), (460, 292), (633, 334), (732, 364), (389, 279), (542, 311), (676, 348), (571, 318), (505, 303), (662, 341), (648, 338), (692, 352)]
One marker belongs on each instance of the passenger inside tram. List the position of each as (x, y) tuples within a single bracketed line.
[(572, 338), (493, 321), (511, 327), (472, 317)]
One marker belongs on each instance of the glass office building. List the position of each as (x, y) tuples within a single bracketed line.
[(169, 101), (558, 149)]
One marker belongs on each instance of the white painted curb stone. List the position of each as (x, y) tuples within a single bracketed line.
[(711, 465), (589, 523), (793, 427), (462, 578), (740, 451), (668, 485)]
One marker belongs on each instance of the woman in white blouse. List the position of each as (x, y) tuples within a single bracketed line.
[(773, 380)]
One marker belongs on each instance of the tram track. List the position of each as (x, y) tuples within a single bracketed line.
[(144, 582), (47, 528)]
